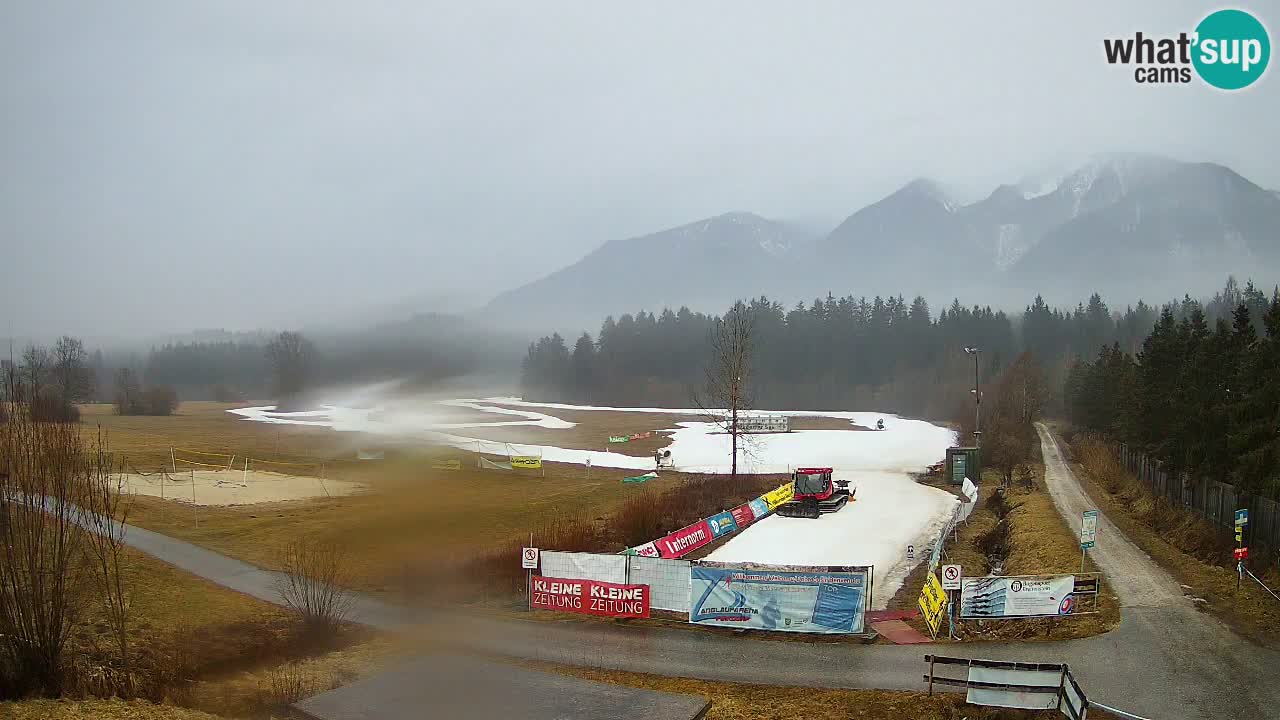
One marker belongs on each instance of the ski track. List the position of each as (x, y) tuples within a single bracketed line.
[(889, 513)]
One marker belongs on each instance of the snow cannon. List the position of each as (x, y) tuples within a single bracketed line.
[(815, 493)]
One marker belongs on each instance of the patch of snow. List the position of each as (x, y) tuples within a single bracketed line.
[(1010, 245), (890, 511)]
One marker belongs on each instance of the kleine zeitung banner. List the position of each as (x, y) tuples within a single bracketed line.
[(589, 597)]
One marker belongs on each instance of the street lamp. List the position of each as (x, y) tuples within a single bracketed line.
[(977, 398)]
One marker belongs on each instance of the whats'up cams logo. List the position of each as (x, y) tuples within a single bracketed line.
[(1229, 50)]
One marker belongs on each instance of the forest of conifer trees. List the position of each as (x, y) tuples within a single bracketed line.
[(1201, 394), (1192, 382)]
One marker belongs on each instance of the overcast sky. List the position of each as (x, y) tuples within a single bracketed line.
[(175, 165)]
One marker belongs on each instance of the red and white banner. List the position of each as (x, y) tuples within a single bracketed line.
[(590, 597), (685, 540), (647, 550), (743, 516)]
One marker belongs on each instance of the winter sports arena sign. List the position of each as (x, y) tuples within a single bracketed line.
[(1017, 597), (788, 599), (590, 597)]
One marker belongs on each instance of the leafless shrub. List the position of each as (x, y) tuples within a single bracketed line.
[(54, 489), (160, 400), (289, 683), (313, 585)]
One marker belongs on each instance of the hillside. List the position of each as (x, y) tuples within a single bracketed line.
[(1126, 225)]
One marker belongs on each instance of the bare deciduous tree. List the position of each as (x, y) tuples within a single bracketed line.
[(291, 356), (727, 394), (128, 395), (314, 584), (106, 512), (70, 370)]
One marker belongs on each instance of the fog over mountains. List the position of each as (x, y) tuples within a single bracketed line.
[(1126, 225)]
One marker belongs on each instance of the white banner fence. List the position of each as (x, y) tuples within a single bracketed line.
[(668, 580)]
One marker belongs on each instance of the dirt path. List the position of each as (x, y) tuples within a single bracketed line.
[(1176, 646), (1134, 575)]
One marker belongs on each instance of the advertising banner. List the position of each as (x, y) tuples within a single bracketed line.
[(648, 550), (619, 438), (788, 600), (743, 516), (454, 464), (932, 602), (685, 540), (759, 508), (1016, 597), (722, 524), (777, 497), (590, 597), (529, 462)]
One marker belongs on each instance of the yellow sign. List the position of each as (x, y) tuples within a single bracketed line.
[(447, 465), (531, 462), (779, 496), (933, 600)]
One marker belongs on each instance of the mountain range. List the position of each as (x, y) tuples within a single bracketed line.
[(1128, 226)]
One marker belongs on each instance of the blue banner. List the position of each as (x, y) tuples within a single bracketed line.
[(759, 508), (828, 602), (722, 524)]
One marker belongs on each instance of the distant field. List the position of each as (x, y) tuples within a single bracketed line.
[(144, 441), (592, 431), (411, 514)]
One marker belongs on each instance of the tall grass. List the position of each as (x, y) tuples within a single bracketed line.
[(648, 515), (1180, 527)]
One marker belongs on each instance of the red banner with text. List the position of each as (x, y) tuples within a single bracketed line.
[(685, 540), (590, 597)]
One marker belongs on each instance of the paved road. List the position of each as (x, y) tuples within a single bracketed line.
[(1166, 660), (464, 688)]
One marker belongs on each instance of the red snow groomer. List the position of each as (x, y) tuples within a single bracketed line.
[(815, 493)]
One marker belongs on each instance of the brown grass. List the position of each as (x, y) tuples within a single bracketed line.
[(262, 689), (414, 519), (735, 701), (208, 427), (824, 423), (97, 710), (647, 515), (1191, 549), (1025, 526)]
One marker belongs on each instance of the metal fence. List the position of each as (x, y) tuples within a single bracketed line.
[(668, 580), (1214, 501)]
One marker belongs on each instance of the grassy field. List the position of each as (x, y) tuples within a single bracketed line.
[(413, 515), (734, 701), (97, 710), (144, 441), (224, 648), (1038, 543), (1174, 539)]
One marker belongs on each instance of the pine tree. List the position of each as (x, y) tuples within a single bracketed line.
[(1255, 434)]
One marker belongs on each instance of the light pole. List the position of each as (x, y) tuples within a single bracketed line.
[(977, 398)]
